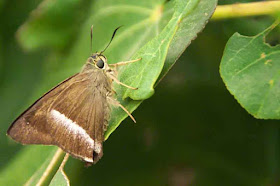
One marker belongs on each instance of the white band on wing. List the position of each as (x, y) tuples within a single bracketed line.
[(74, 128)]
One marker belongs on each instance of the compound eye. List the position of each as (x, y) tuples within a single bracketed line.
[(100, 63)]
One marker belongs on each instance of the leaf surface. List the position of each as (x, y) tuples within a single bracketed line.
[(250, 69), (60, 179)]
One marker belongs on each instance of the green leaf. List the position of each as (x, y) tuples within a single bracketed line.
[(188, 29), (251, 71), (185, 29), (60, 179), (51, 24), (153, 55), (29, 161), (47, 170), (38, 163)]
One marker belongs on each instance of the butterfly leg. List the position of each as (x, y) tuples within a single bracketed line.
[(120, 83), (116, 103), (114, 92), (124, 62)]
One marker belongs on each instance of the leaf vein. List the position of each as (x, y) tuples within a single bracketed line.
[(253, 63)]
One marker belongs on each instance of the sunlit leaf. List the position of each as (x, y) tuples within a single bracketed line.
[(51, 24), (28, 165), (60, 178), (251, 71), (149, 68)]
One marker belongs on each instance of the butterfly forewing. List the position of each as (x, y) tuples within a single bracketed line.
[(73, 116)]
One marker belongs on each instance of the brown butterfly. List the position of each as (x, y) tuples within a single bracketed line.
[(74, 115)]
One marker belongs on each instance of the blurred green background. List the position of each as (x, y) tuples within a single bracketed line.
[(191, 132)]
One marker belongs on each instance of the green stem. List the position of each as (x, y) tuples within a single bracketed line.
[(246, 9), (52, 168)]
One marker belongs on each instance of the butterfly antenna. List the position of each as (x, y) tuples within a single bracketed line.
[(91, 30), (114, 33)]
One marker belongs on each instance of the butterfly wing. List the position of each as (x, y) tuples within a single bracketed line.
[(73, 116)]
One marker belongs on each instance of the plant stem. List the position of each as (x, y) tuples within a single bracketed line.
[(52, 167), (246, 9)]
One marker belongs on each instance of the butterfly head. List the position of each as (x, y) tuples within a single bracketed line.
[(98, 60)]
